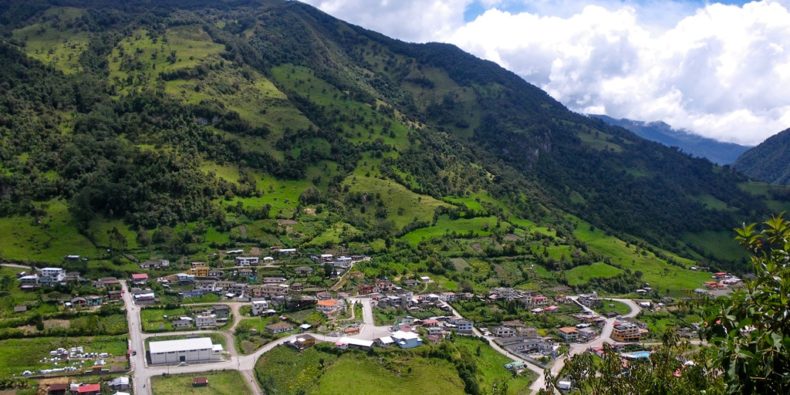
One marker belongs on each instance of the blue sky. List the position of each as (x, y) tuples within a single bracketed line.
[(716, 68)]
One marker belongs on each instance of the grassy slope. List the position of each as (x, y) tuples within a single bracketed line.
[(658, 273), (583, 274), (55, 46), (22, 238), (491, 368)]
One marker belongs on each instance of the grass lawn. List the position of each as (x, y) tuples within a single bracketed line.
[(284, 370), (18, 355), (610, 306), (583, 274), (154, 319), (491, 367), (225, 382)]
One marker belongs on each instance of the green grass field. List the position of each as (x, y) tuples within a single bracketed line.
[(284, 370), (613, 306), (403, 206), (24, 239), (226, 382), (491, 370), (478, 226), (721, 245), (661, 275), (583, 274), (153, 320), (18, 355)]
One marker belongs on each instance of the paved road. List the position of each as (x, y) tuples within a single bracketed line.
[(368, 330), (136, 343), (16, 266)]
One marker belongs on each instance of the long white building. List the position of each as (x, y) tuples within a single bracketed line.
[(186, 350)]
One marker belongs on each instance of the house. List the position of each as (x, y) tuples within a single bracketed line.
[(78, 301), (199, 269), (247, 261), (590, 300), (234, 252), (88, 389), (94, 301), (120, 383), (568, 333), (139, 278), (57, 388), (145, 298), (108, 282), (184, 278), (29, 282), (279, 327), (114, 294), (183, 323), (216, 273), (406, 339), (351, 330), (328, 306), (425, 279), (296, 287), (346, 342), (274, 280), (504, 331), (259, 307), (200, 382), (286, 251), (304, 270), (221, 311), (51, 275), (303, 342), (203, 321), (155, 264), (624, 331), (462, 325)]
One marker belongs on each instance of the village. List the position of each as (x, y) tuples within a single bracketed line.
[(193, 316)]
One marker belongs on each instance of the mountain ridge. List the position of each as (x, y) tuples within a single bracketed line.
[(769, 161), (721, 153), (226, 119)]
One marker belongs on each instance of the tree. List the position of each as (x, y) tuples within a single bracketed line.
[(117, 240), (751, 328)]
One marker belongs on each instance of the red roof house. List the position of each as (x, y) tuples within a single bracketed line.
[(89, 389)]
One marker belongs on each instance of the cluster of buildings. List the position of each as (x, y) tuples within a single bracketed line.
[(518, 339), (209, 318)]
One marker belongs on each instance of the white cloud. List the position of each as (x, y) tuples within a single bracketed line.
[(721, 71)]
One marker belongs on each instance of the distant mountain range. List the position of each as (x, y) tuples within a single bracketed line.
[(660, 132), (769, 161)]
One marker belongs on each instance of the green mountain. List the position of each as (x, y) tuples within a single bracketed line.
[(769, 161), (179, 127), (692, 144)]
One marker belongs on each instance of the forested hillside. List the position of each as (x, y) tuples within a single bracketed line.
[(769, 161), (178, 127)]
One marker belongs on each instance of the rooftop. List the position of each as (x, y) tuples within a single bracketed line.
[(200, 343)]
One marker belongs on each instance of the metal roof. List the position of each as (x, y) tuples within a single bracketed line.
[(200, 343)]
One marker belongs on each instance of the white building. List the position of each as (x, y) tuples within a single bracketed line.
[(186, 350), (51, 275), (259, 307), (206, 321), (247, 261)]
